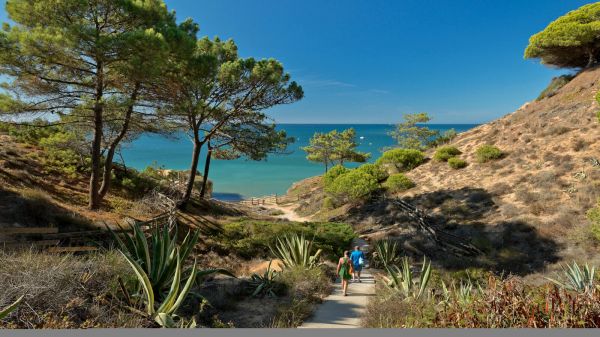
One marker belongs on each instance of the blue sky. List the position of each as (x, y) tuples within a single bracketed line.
[(371, 61)]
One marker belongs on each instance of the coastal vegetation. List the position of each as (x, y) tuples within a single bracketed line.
[(570, 41), (486, 153), (522, 192), (138, 72), (444, 153), (457, 163), (410, 135), (401, 160), (335, 148), (397, 183)]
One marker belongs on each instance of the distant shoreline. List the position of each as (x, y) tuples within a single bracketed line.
[(238, 179)]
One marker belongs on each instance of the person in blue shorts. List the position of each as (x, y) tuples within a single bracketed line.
[(356, 257)]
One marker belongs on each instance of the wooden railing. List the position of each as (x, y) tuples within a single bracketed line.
[(273, 199), (51, 240)]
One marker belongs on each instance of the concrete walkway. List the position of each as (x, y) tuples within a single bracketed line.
[(339, 311)]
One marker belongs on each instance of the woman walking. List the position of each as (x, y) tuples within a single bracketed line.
[(344, 269)]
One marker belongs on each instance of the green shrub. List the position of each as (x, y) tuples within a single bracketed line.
[(457, 163), (444, 138), (446, 152), (333, 173), (374, 170), (555, 85), (328, 203), (594, 216), (353, 186), (403, 159), (251, 238), (32, 133), (133, 182), (486, 153), (4, 127), (59, 155), (398, 183)]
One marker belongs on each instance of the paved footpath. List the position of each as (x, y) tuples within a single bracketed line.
[(339, 311)]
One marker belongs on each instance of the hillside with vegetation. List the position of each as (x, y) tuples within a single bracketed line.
[(519, 187), (465, 230)]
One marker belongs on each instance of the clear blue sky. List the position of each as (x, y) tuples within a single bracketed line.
[(371, 61)]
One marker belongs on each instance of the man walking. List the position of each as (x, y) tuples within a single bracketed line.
[(358, 260)]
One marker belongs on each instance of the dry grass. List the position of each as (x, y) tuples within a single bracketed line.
[(65, 291), (507, 303)]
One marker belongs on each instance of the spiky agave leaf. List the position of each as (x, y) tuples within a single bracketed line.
[(576, 279), (295, 251), (144, 281), (387, 251), (424, 277), (6, 311)]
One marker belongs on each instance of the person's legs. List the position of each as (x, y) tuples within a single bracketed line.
[(345, 286), (358, 275)]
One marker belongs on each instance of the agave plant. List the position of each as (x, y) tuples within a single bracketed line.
[(265, 284), (577, 279), (401, 279), (6, 311), (387, 252), (162, 312), (295, 251), (157, 258)]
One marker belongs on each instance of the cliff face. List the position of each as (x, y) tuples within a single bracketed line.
[(525, 210)]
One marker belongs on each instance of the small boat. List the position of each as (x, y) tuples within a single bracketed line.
[(361, 137)]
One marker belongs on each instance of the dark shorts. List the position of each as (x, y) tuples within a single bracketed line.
[(357, 267)]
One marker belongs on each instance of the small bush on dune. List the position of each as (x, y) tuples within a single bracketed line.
[(374, 170), (555, 85), (594, 217), (486, 153), (328, 204), (353, 186), (444, 138), (402, 159), (457, 163), (398, 183), (333, 173), (446, 152)]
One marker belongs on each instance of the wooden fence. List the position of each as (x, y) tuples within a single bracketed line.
[(273, 199), (51, 240)]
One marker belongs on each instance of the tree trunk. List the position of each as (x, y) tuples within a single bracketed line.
[(206, 170), (108, 161), (94, 197), (192, 176), (591, 59)]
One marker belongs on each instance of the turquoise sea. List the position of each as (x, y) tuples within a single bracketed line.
[(235, 179)]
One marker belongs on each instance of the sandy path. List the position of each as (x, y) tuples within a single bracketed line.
[(338, 311), (288, 213)]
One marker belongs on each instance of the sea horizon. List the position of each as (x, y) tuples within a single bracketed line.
[(239, 179)]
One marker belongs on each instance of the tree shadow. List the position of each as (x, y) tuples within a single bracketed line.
[(509, 246), (35, 208)]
